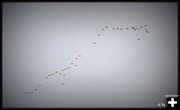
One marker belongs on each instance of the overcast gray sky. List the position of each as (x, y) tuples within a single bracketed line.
[(116, 67)]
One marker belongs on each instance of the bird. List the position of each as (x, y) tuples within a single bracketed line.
[(94, 42)]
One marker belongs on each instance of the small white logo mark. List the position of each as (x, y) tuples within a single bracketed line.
[(172, 102)]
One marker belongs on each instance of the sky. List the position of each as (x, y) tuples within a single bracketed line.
[(93, 55)]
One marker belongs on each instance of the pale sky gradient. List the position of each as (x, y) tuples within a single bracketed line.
[(118, 71)]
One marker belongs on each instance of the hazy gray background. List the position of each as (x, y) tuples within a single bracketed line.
[(118, 71)]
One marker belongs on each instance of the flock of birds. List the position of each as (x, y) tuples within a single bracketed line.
[(61, 72)]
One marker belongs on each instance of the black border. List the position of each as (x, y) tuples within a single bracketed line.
[(100, 1)]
